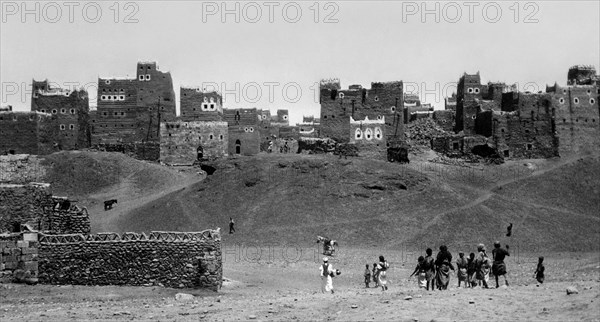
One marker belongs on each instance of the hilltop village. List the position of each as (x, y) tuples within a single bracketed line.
[(138, 116)]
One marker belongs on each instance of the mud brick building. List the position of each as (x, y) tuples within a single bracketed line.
[(577, 117), (185, 142), (199, 105), (383, 101), (369, 137), (28, 132), (131, 109), (243, 128), (445, 119), (71, 109)]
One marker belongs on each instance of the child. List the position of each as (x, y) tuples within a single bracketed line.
[(471, 269), (375, 275), (486, 268), (462, 265), (367, 276), (429, 266), (421, 270), (539, 271)]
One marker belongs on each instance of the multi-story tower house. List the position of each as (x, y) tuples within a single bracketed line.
[(381, 101), (71, 111), (131, 109), (577, 113), (200, 105), (244, 134)]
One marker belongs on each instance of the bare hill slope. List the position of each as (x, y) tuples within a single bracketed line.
[(553, 204)]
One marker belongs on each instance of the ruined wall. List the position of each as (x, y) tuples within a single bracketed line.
[(577, 117), (243, 140), (28, 133), (528, 132), (23, 204), (383, 100), (149, 151), (197, 105), (369, 137), (170, 259), (21, 169), (316, 145), (19, 257), (180, 141), (451, 145), (444, 119)]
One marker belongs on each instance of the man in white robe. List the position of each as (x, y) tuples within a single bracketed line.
[(327, 273)]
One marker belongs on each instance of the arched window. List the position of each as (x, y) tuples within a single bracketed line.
[(368, 134), (358, 134), (378, 133)]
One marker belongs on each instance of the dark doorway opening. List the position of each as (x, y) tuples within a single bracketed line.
[(238, 147), (199, 153)]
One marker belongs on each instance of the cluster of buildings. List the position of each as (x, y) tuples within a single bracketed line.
[(139, 115), (562, 120)]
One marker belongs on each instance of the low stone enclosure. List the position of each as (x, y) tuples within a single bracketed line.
[(170, 259)]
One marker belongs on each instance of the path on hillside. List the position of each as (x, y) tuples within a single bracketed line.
[(488, 192), (130, 198)]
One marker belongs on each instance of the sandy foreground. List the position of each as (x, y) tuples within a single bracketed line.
[(283, 284)]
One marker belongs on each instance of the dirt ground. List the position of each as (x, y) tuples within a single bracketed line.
[(272, 282)]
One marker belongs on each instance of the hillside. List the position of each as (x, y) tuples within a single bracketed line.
[(277, 199)]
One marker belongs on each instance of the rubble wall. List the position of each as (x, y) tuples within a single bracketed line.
[(171, 259)]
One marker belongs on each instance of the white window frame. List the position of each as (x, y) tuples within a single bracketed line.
[(358, 135), (369, 134)]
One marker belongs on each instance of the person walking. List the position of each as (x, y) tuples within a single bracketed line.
[(326, 272), (231, 228), (499, 267)]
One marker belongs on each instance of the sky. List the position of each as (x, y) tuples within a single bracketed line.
[(272, 55)]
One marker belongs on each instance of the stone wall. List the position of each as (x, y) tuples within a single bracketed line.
[(23, 204), (21, 169), (170, 259), (19, 257), (149, 151), (28, 133), (181, 141)]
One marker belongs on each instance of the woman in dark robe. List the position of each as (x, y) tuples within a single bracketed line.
[(443, 265)]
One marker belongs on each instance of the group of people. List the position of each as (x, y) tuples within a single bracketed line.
[(474, 271), (378, 274)]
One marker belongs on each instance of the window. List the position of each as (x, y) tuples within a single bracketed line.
[(107, 82), (506, 153), (285, 117), (378, 134), (341, 95), (561, 100), (251, 129), (210, 137), (71, 126), (476, 90), (204, 106), (221, 137), (43, 111), (54, 111), (147, 77), (368, 134), (376, 98), (474, 116), (358, 134), (469, 90), (589, 91), (141, 77), (105, 113), (122, 97), (245, 129), (264, 117), (63, 110), (379, 117), (103, 97), (592, 101), (72, 111), (212, 107), (529, 146), (576, 100), (62, 127), (393, 109)]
